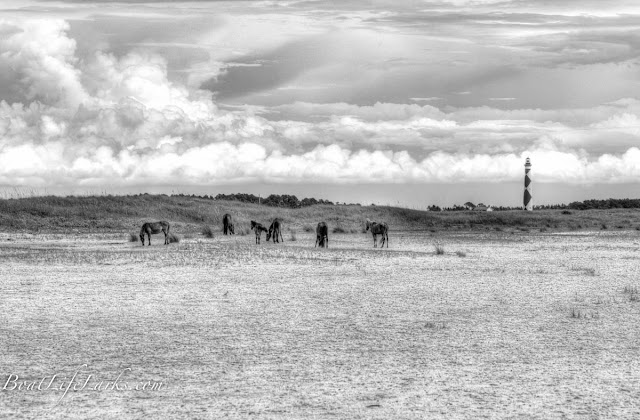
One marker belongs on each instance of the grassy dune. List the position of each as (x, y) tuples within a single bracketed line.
[(191, 214)]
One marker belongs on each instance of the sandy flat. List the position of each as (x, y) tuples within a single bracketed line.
[(512, 326)]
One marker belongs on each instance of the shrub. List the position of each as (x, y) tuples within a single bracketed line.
[(308, 229), (173, 238), (207, 232), (133, 237), (339, 229), (566, 212), (461, 254), (293, 237), (439, 249)]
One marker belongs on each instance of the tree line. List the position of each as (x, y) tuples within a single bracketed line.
[(291, 201), (274, 200)]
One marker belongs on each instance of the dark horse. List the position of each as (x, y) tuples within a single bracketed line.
[(258, 229), (322, 235), (152, 228), (227, 224), (275, 231), (378, 229)]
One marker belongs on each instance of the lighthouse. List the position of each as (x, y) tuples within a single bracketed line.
[(528, 200)]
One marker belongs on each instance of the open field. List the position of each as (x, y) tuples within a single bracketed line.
[(500, 325)]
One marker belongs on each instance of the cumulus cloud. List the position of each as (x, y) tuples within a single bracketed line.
[(121, 119), (38, 62)]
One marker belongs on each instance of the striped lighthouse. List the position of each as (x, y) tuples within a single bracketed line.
[(528, 199)]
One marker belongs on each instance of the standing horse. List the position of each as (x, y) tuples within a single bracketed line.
[(322, 235), (153, 228), (227, 224), (275, 230), (258, 229), (378, 229)]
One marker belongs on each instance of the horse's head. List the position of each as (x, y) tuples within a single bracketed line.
[(253, 224), (269, 234)]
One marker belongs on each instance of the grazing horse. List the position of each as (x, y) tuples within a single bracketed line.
[(275, 231), (322, 235), (378, 229), (227, 224), (152, 228), (258, 229)]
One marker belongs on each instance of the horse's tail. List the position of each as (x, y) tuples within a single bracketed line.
[(386, 233), (168, 226)]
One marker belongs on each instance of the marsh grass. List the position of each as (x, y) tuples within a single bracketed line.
[(588, 271), (439, 249), (577, 313), (435, 325), (632, 291)]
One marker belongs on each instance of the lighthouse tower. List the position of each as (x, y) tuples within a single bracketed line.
[(528, 200)]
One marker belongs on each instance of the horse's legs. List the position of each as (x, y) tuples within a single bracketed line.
[(279, 231), (387, 235), (326, 242)]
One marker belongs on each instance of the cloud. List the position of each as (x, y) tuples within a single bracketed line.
[(122, 118), (38, 63)]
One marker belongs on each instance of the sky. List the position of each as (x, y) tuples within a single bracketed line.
[(379, 101)]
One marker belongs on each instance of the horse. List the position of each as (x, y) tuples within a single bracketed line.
[(153, 228), (275, 230), (227, 224), (378, 229), (322, 235), (258, 229)]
